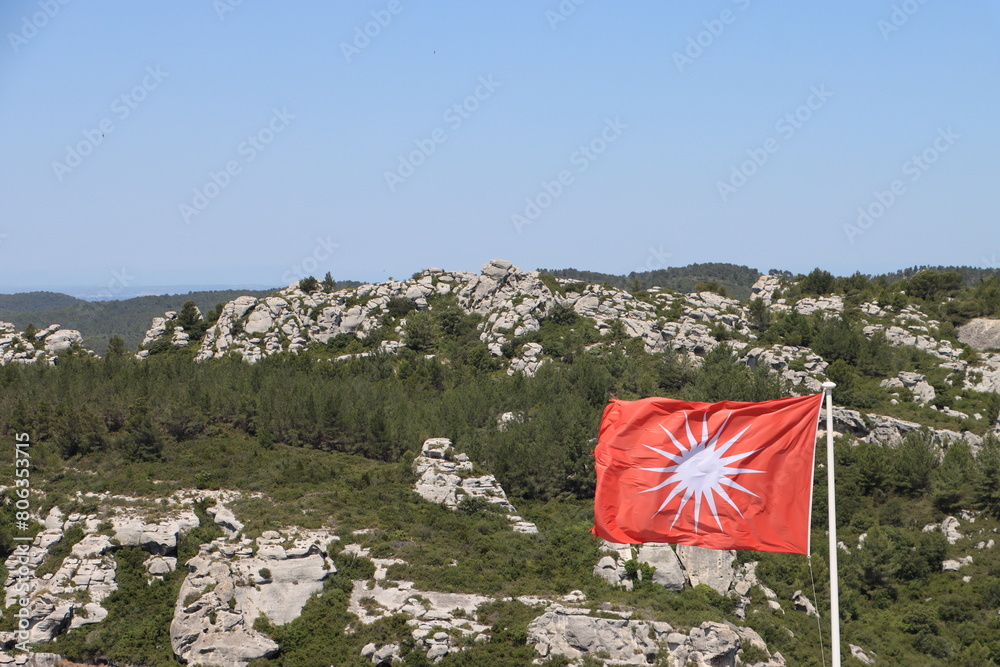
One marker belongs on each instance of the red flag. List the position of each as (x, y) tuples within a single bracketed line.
[(718, 475)]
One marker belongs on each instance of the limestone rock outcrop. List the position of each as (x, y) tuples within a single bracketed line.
[(225, 519), (860, 655), (436, 619), (72, 595), (765, 287), (711, 567), (512, 302), (954, 565), (676, 567), (986, 376), (17, 347), (802, 603), (62, 339), (798, 365), (574, 633), (161, 327), (527, 361), (228, 586), (563, 627), (380, 655), (981, 333), (56, 600), (948, 527), (447, 478), (159, 538), (890, 430), (829, 306), (922, 390), (680, 566), (33, 659), (668, 573), (911, 337)]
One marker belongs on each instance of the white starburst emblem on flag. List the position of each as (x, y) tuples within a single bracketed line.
[(701, 470)]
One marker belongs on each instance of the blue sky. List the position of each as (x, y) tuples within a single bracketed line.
[(226, 142)]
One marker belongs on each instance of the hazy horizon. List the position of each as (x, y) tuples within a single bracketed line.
[(118, 291)]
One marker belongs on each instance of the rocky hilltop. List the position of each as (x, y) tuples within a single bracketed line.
[(513, 303)]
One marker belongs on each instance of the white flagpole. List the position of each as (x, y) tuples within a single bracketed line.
[(834, 590)]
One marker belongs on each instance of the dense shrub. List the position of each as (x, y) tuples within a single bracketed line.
[(721, 377), (818, 282)]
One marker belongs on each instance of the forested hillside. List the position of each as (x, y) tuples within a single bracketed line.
[(971, 275), (35, 302), (323, 434)]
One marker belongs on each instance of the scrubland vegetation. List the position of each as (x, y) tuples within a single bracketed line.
[(330, 443)]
